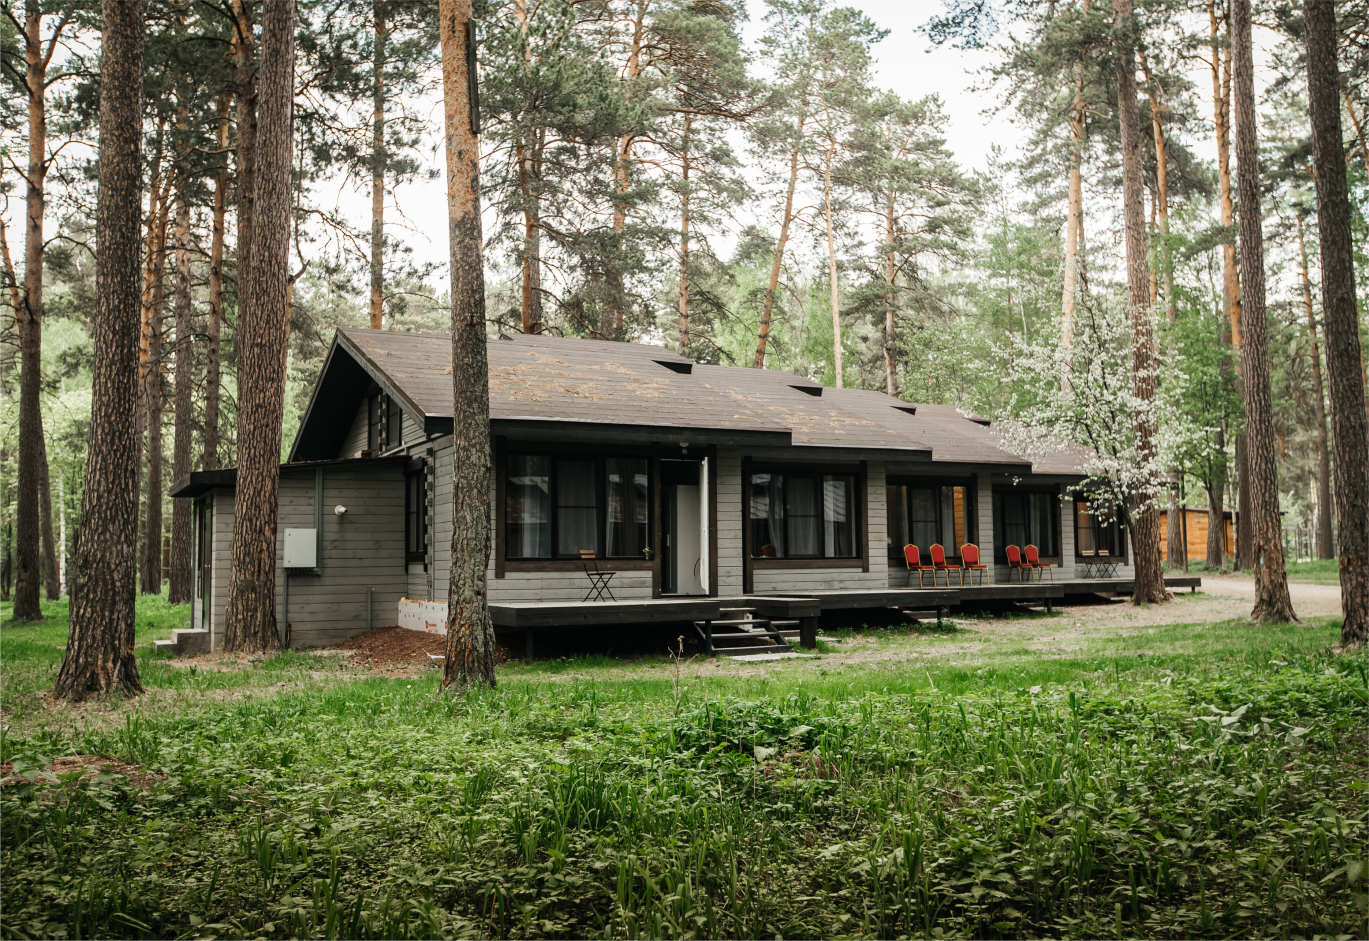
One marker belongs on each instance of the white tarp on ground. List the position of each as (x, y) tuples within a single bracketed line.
[(429, 616)]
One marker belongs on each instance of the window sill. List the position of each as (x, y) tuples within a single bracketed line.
[(853, 563), (576, 565)]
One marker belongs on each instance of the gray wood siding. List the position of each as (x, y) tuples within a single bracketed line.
[(442, 518), (413, 431), (358, 438), (362, 550), (729, 474), (221, 516), (877, 524)]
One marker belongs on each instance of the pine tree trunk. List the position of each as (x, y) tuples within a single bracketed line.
[(1150, 579), (1325, 549), (1272, 601), (52, 576), (1073, 219), (245, 82), (470, 632), (99, 658), (529, 156), (1359, 129), (1216, 524), (178, 589), (612, 323), (213, 381), (1340, 321), (684, 239), (378, 163), (250, 612), (776, 263), (151, 568), (1231, 283), (27, 530), (890, 273), (832, 262)]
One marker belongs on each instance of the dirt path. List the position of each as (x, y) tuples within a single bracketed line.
[(1308, 599)]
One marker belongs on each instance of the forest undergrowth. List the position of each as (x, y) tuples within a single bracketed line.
[(1150, 795)]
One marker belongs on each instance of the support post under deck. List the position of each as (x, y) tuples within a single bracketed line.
[(808, 633), (527, 645)]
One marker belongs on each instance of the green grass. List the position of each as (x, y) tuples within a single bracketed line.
[(1199, 780)]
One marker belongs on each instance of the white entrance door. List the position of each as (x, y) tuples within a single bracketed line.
[(687, 557)]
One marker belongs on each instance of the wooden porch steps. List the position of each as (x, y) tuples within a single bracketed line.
[(747, 635)]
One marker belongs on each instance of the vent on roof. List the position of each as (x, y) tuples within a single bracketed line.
[(980, 421), (683, 369), (810, 390), (910, 409), (505, 336)]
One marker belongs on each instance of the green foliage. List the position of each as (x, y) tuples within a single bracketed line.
[(1209, 790)]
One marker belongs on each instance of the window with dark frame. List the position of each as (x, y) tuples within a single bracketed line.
[(925, 515), (416, 516), (803, 516), (1097, 530), (373, 439), (1026, 518), (394, 423), (557, 506)]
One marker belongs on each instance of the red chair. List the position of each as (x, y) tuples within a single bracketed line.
[(914, 560), (1015, 562), (939, 564), (969, 561), (1034, 560)]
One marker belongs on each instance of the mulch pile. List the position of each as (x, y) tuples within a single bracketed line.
[(92, 766), (393, 645), (383, 648)]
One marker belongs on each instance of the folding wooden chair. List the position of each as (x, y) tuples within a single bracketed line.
[(914, 560), (598, 578)]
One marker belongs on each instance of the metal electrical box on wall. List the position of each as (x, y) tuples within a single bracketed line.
[(301, 548)]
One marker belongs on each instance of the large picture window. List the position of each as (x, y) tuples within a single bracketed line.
[(555, 507), (1022, 519), (1097, 532), (803, 516), (923, 516)]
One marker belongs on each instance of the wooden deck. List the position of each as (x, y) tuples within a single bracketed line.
[(805, 607)]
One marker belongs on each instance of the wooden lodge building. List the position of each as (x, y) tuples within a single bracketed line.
[(689, 481)]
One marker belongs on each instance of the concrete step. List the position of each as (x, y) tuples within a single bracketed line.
[(184, 643), (744, 651)]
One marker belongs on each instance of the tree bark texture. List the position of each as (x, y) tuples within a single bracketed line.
[(250, 613), (1150, 579), (835, 283), (470, 632), (151, 569), (1324, 547), (213, 381), (776, 263), (611, 324), (1272, 601), (1073, 218), (178, 588), (1340, 320), (99, 658), (890, 324), (1216, 524), (378, 161), (1231, 282), (684, 239), (245, 82), (27, 536), (52, 575)]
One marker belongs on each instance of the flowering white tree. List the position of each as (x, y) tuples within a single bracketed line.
[(1081, 400)]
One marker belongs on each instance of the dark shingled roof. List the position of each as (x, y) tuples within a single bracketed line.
[(542, 379)]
